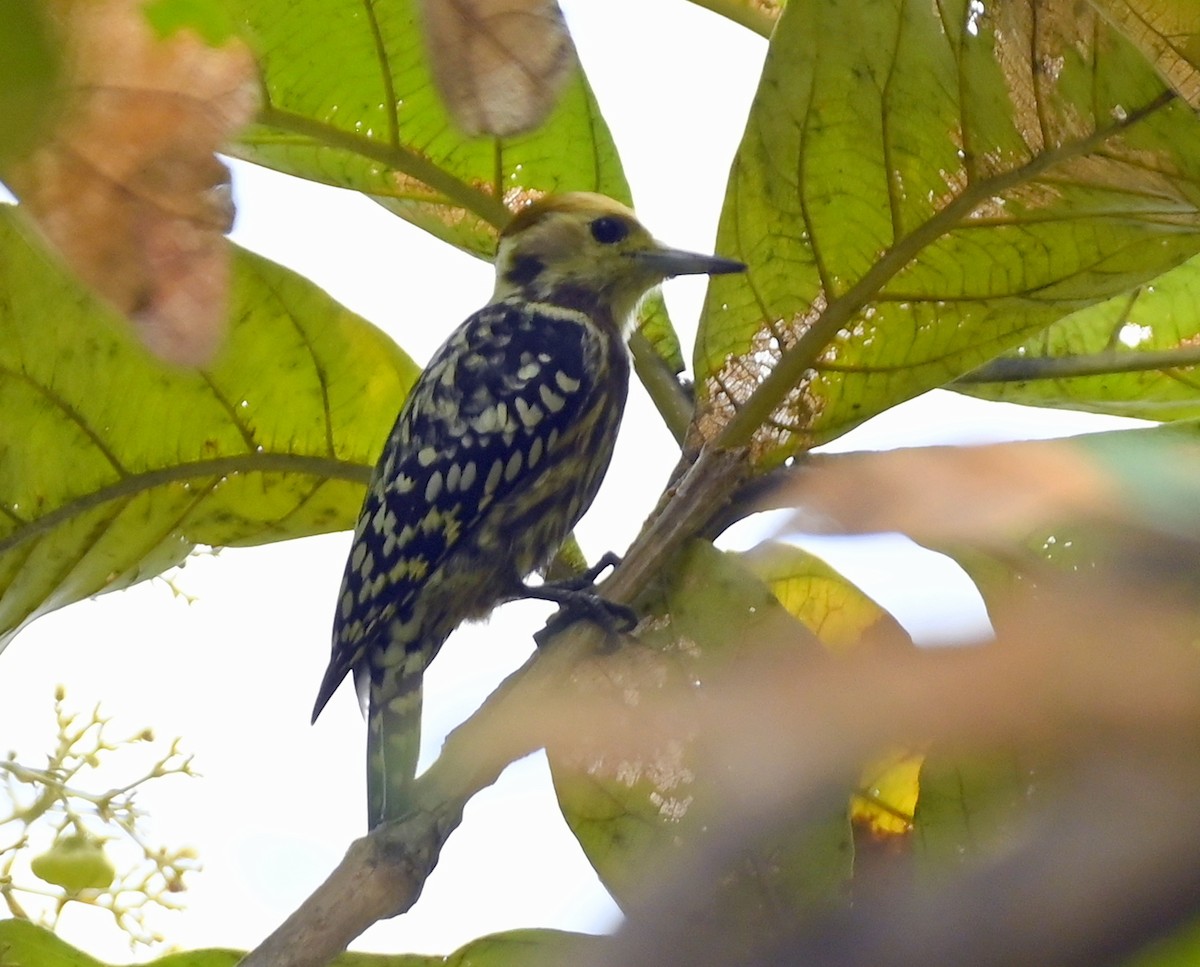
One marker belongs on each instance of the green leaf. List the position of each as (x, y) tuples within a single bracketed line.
[(349, 100), (1133, 355), (757, 15), (23, 944), (634, 816), (526, 948), (209, 20), (113, 466), (922, 186)]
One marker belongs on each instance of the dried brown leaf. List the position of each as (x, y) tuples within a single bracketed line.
[(127, 186), (499, 64)]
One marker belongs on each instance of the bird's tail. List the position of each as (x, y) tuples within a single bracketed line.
[(393, 743)]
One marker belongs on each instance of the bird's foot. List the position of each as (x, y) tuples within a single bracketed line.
[(586, 605), (580, 601)]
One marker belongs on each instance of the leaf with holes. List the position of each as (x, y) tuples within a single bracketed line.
[(113, 466), (922, 186)]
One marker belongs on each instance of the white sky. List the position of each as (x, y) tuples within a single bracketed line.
[(235, 673)]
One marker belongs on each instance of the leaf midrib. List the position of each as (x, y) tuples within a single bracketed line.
[(324, 468)]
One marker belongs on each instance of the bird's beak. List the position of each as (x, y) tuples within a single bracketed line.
[(669, 262)]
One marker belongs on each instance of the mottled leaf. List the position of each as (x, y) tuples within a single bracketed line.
[(922, 186), (113, 466)]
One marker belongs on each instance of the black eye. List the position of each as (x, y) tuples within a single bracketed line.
[(608, 230)]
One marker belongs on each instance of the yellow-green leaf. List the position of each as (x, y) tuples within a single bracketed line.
[(349, 100), (844, 618), (887, 797), (1168, 33), (922, 186), (835, 610), (1133, 355), (113, 466)]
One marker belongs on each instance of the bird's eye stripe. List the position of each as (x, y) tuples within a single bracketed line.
[(607, 230)]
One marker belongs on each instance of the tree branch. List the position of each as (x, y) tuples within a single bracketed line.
[(381, 876), (670, 398), (382, 873)]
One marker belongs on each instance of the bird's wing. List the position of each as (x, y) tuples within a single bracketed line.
[(509, 376)]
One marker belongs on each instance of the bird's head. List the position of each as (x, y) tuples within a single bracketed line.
[(590, 252)]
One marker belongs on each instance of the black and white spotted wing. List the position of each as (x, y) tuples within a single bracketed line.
[(515, 389)]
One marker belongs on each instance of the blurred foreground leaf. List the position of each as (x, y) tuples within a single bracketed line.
[(997, 496), (126, 184), (647, 811), (499, 64)]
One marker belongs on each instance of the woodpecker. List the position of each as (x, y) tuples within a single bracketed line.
[(496, 454)]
